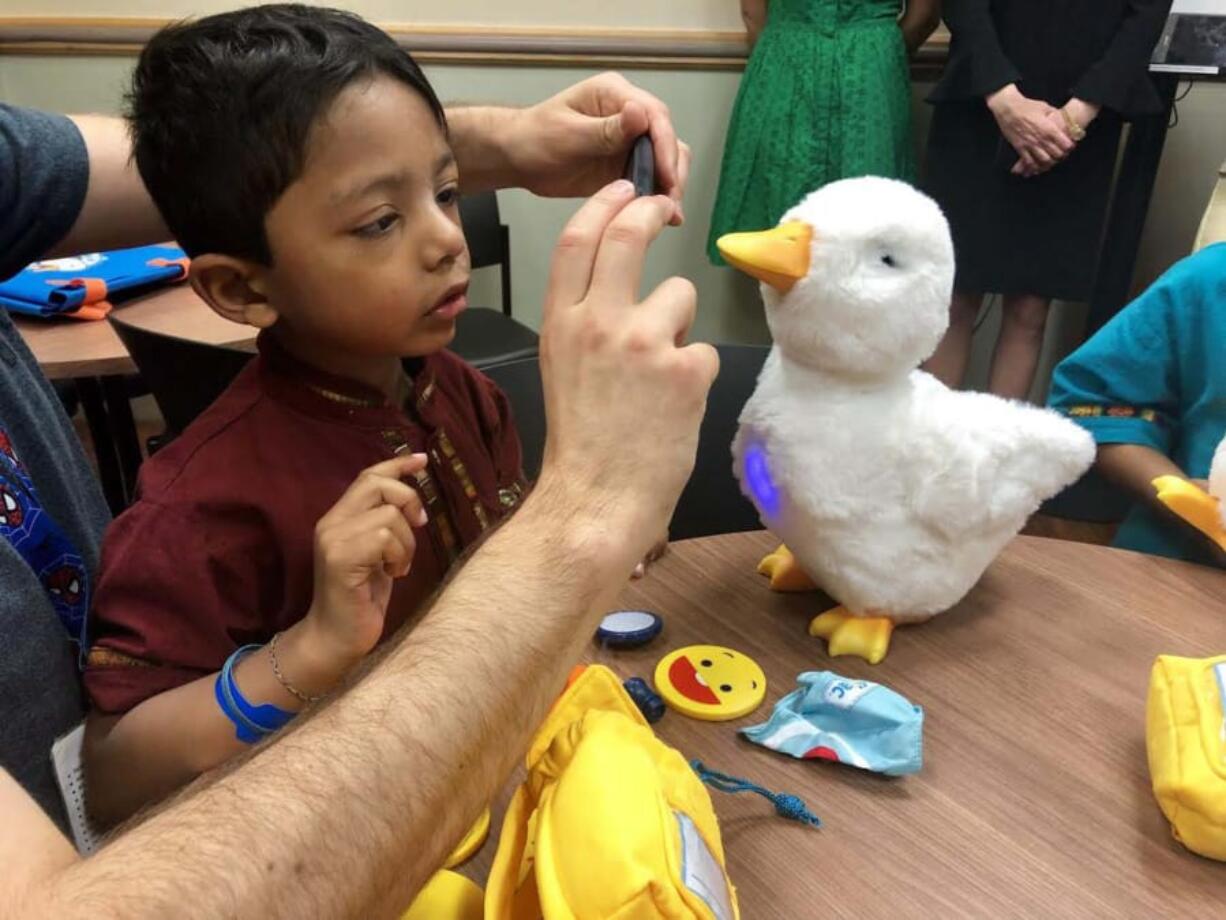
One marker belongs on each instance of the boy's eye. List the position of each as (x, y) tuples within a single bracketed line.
[(377, 227), (448, 196)]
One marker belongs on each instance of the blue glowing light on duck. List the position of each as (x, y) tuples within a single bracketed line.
[(758, 477)]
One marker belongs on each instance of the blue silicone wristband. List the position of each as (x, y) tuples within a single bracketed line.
[(251, 722)]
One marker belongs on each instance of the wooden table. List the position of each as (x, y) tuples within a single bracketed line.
[(1034, 799), (91, 354), (71, 349)]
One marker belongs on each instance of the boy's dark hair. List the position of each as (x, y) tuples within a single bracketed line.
[(221, 108)]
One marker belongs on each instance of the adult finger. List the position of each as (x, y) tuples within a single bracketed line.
[(671, 308), (664, 143), (575, 253), (1040, 156), (1057, 144), (685, 156), (703, 361), (623, 247), (613, 94)]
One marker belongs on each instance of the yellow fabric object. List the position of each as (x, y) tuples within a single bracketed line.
[(611, 823), (1194, 505), (467, 848), (1185, 737), (447, 896)]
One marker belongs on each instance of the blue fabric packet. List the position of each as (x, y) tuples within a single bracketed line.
[(855, 722), (56, 286)]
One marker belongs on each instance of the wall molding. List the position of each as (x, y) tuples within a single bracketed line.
[(694, 49)]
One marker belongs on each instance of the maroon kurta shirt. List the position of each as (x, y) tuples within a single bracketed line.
[(217, 552)]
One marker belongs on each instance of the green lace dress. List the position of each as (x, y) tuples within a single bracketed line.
[(826, 95)]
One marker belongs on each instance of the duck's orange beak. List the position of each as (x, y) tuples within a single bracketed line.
[(778, 257)]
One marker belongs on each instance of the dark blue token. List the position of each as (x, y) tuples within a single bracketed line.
[(629, 628), (646, 699)]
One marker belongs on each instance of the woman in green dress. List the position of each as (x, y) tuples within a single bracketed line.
[(826, 95)]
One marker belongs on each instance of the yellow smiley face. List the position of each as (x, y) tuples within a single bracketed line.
[(710, 682)]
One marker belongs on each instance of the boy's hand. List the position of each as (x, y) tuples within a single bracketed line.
[(362, 545), (573, 143)]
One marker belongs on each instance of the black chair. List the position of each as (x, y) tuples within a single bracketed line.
[(1091, 500), (485, 336), (711, 502), (521, 381), (183, 376)]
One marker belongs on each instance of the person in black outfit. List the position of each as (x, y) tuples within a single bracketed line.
[(1023, 143)]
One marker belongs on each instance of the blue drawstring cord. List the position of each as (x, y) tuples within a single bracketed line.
[(787, 805)]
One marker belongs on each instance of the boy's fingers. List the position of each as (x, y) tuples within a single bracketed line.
[(398, 467), (392, 546), (381, 484), (413, 510), (575, 252), (380, 550)]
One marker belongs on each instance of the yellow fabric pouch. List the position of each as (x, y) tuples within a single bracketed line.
[(611, 823), (1185, 737)]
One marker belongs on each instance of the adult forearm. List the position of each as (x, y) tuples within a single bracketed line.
[(753, 15), (479, 135), (361, 803), (919, 21), (117, 211)]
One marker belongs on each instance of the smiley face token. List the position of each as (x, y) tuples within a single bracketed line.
[(710, 682)]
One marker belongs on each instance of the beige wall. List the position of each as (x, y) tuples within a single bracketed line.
[(700, 101), (670, 14)]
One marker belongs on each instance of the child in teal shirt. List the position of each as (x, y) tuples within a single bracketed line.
[(1150, 386)]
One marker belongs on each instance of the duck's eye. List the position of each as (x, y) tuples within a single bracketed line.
[(888, 259)]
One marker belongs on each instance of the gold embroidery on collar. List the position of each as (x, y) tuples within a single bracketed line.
[(425, 392), (344, 399)]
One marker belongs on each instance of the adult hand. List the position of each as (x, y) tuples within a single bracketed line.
[(623, 394), (1081, 113), (1071, 120), (655, 554), (363, 543), (1024, 123), (574, 143)]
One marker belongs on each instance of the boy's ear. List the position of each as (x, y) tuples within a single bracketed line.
[(234, 288)]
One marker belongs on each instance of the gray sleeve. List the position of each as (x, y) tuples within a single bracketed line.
[(44, 171)]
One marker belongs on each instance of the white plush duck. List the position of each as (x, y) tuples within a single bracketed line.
[(893, 492)]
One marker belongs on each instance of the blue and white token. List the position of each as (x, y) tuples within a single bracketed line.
[(629, 628)]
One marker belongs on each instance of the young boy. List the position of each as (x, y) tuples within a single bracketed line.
[(1151, 387), (301, 158)]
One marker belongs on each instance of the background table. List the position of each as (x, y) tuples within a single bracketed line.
[(1034, 800), (91, 354), (72, 349)]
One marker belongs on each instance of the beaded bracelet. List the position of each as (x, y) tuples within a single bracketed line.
[(281, 678)]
